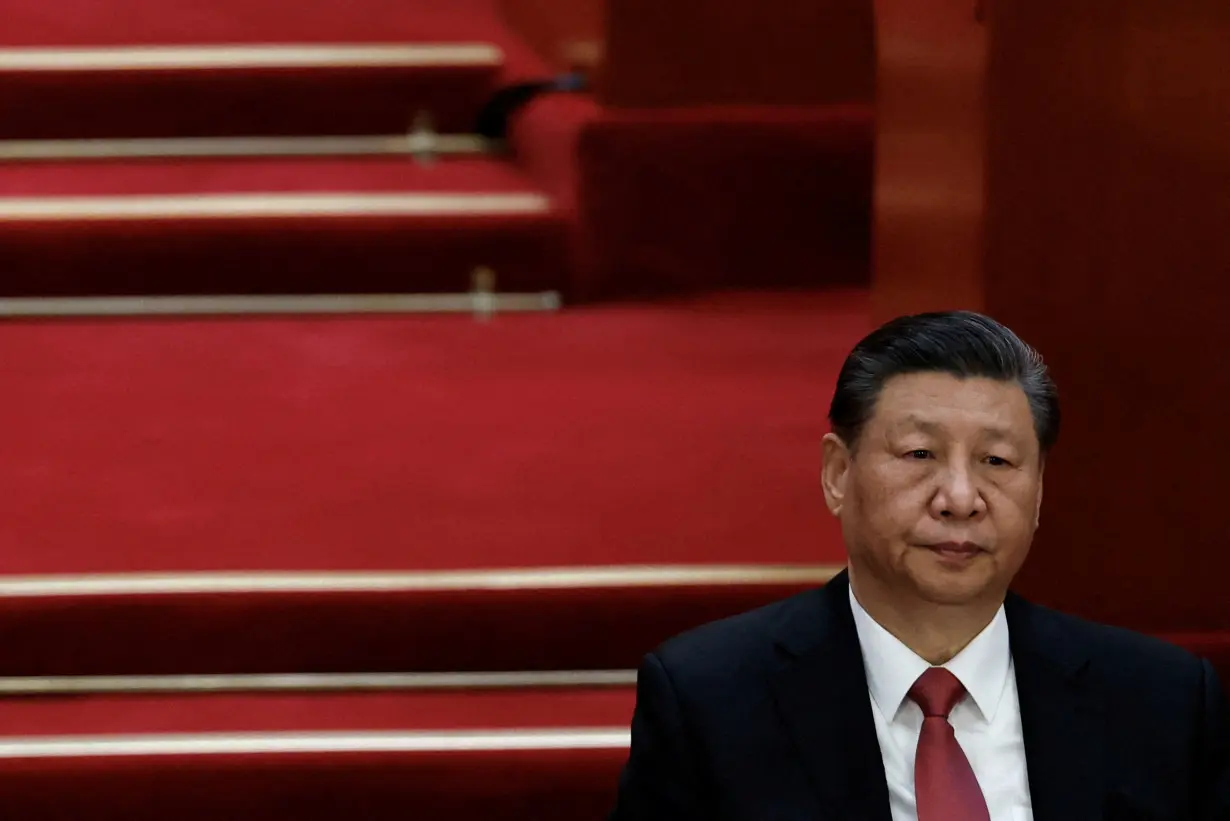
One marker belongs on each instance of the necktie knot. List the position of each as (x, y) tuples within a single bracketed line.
[(937, 691), (945, 786)]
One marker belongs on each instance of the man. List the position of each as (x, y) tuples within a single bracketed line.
[(914, 685)]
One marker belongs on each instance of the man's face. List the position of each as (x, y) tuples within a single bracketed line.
[(940, 499)]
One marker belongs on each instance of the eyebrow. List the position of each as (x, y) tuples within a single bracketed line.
[(922, 424), (994, 432)]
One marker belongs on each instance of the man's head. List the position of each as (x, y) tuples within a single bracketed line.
[(941, 424)]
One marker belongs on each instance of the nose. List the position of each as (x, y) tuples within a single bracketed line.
[(957, 497)]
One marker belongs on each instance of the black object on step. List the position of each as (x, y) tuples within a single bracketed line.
[(494, 116)]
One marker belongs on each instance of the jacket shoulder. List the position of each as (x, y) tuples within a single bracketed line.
[(736, 646), (1123, 657)]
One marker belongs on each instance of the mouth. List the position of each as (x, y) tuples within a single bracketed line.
[(956, 551)]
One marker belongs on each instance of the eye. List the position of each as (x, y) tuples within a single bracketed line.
[(998, 462), (921, 453)]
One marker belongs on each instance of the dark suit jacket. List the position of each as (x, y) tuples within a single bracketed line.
[(766, 717)]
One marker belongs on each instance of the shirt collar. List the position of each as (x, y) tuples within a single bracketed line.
[(892, 668)]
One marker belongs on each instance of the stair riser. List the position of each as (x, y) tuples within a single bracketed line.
[(464, 630), (390, 254), (250, 102), (548, 785)]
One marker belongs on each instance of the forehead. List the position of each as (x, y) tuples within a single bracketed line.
[(943, 401)]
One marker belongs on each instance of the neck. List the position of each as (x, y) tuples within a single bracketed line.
[(935, 632)]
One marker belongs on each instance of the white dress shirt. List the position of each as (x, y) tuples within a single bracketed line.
[(987, 720)]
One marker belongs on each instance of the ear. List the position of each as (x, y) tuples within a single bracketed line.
[(835, 473)]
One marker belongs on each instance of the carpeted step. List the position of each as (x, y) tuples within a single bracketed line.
[(243, 90), (516, 620), (550, 754), (274, 226), (405, 449), (183, 68)]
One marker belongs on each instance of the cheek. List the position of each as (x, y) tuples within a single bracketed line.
[(892, 505), (1015, 510)]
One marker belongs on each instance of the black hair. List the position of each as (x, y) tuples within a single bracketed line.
[(961, 343)]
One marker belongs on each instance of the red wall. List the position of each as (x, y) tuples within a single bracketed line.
[(1108, 242), (710, 52), (736, 52), (1069, 175), (930, 156)]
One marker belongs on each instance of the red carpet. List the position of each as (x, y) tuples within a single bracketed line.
[(159, 22), (638, 201), (470, 630), (286, 175), (545, 754), (682, 434), (656, 199), (359, 241), (239, 102), (93, 101), (685, 200), (423, 245), (679, 434), (551, 785), (515, 709), (687, 433)]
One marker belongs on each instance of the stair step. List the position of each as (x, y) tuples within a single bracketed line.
[(240, 57), (506, 755), (245, 147), (527, 709), (525, 620), (152, 23), (253, 495), (274, 226), (242, 90), (478, 303), (312, 682), (126, 208)]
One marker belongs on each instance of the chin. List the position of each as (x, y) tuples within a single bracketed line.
[(941, 586), (951, 593)]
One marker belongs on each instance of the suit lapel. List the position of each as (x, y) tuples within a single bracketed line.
[(821, 693), (1061, 720)]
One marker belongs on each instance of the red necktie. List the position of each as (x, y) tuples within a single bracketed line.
[(945, 788)]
